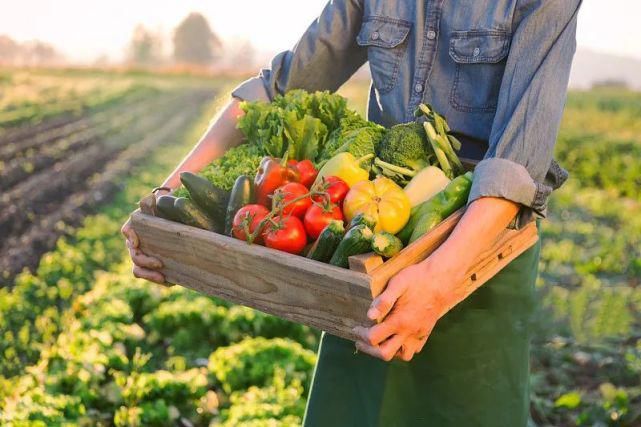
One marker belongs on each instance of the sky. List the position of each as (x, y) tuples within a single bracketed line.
[(86, 29)]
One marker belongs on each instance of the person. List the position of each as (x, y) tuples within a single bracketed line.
[(498, 70)]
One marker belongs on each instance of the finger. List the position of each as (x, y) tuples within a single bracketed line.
[(143, 260), (422, 342), (130, 234), (408, 349), (151, 275), (385, 351), (377, 333), (383, 303)]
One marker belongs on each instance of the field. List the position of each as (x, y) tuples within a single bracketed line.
[(84, 343)]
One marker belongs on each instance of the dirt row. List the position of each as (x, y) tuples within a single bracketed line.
[(32, 212), (22, 141), (19, 169)]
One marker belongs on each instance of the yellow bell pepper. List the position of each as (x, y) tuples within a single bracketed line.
[(385, 201), (346, 167)]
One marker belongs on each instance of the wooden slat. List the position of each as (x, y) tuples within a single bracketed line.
[(365, 263), (292, 287)]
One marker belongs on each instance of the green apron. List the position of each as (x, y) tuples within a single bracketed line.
[(473, 371)]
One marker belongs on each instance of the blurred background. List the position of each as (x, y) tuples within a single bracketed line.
[(99, 100)]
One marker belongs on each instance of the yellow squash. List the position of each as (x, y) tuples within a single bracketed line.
[(385, 201)]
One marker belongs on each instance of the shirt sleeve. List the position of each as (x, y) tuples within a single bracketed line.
[(531, 100), (323, 59)]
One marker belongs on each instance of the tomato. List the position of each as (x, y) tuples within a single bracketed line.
[(383, 200), (289, 192), (250, 215), (288, 235), (319, 216), (307, 172), (336, 189)]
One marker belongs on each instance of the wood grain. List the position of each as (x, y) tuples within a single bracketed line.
[(365, 263), (292, 287)]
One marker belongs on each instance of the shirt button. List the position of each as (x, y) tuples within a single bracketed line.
[(431, 35), (375, 35), (476, 52), (418, 88)]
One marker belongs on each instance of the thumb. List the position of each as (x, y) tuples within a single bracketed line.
[(383, 303)]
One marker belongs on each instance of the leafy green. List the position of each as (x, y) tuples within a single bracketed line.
[(222, 172), (296, 123), (355, 135)]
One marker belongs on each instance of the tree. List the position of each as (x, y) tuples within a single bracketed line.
[(9, 50), (145, 47), (194, 41)]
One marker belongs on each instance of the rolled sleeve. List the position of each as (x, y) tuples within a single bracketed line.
[(518, 165), (325, 57)]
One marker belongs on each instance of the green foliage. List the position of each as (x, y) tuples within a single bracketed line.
[(253, 361), (297, 123)]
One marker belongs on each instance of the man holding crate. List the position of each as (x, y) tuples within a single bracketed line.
[(498, 70)]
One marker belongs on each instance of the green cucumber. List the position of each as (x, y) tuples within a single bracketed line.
[(211, 199), (192, 215), (165, 208), (327, 242), (426, 223), (241, 194), (358, 240), (386, 244), (362, 219)]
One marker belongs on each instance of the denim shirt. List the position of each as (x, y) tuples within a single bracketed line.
[(498, 70)]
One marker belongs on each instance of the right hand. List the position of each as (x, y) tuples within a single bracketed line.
[(145, 267)]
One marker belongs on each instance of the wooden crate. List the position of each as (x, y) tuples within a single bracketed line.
[(293, 287)]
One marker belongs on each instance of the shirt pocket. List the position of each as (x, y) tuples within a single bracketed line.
[(384, 39), (479, 57)]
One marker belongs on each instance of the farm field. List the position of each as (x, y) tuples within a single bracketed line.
[(85, 343)]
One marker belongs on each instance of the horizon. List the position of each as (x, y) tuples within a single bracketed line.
[(111, 25)]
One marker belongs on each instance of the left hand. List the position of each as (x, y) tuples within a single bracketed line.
[(409, 308)]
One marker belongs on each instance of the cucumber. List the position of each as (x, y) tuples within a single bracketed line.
[(211, 199), (425, 224), (327, 242), (165, 208), (386, 244), (192, 215), (358, 240), (241, 194), (362, 219)]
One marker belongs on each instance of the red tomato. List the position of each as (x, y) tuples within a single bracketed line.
[(336, 188), (287, 235), (318, 216), (307, 172), (250, 215), (289, 192)]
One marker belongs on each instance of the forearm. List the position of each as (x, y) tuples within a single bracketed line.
[(219, 137), (483, 221)]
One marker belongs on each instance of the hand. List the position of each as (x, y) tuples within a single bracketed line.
[(409, 307), (145, 267)]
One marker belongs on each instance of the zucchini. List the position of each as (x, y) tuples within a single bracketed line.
[(241, 194), (165, 208), (386, 244), (358, 240), (327, 242), (192, 215), (362, 219), (211, 199)]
